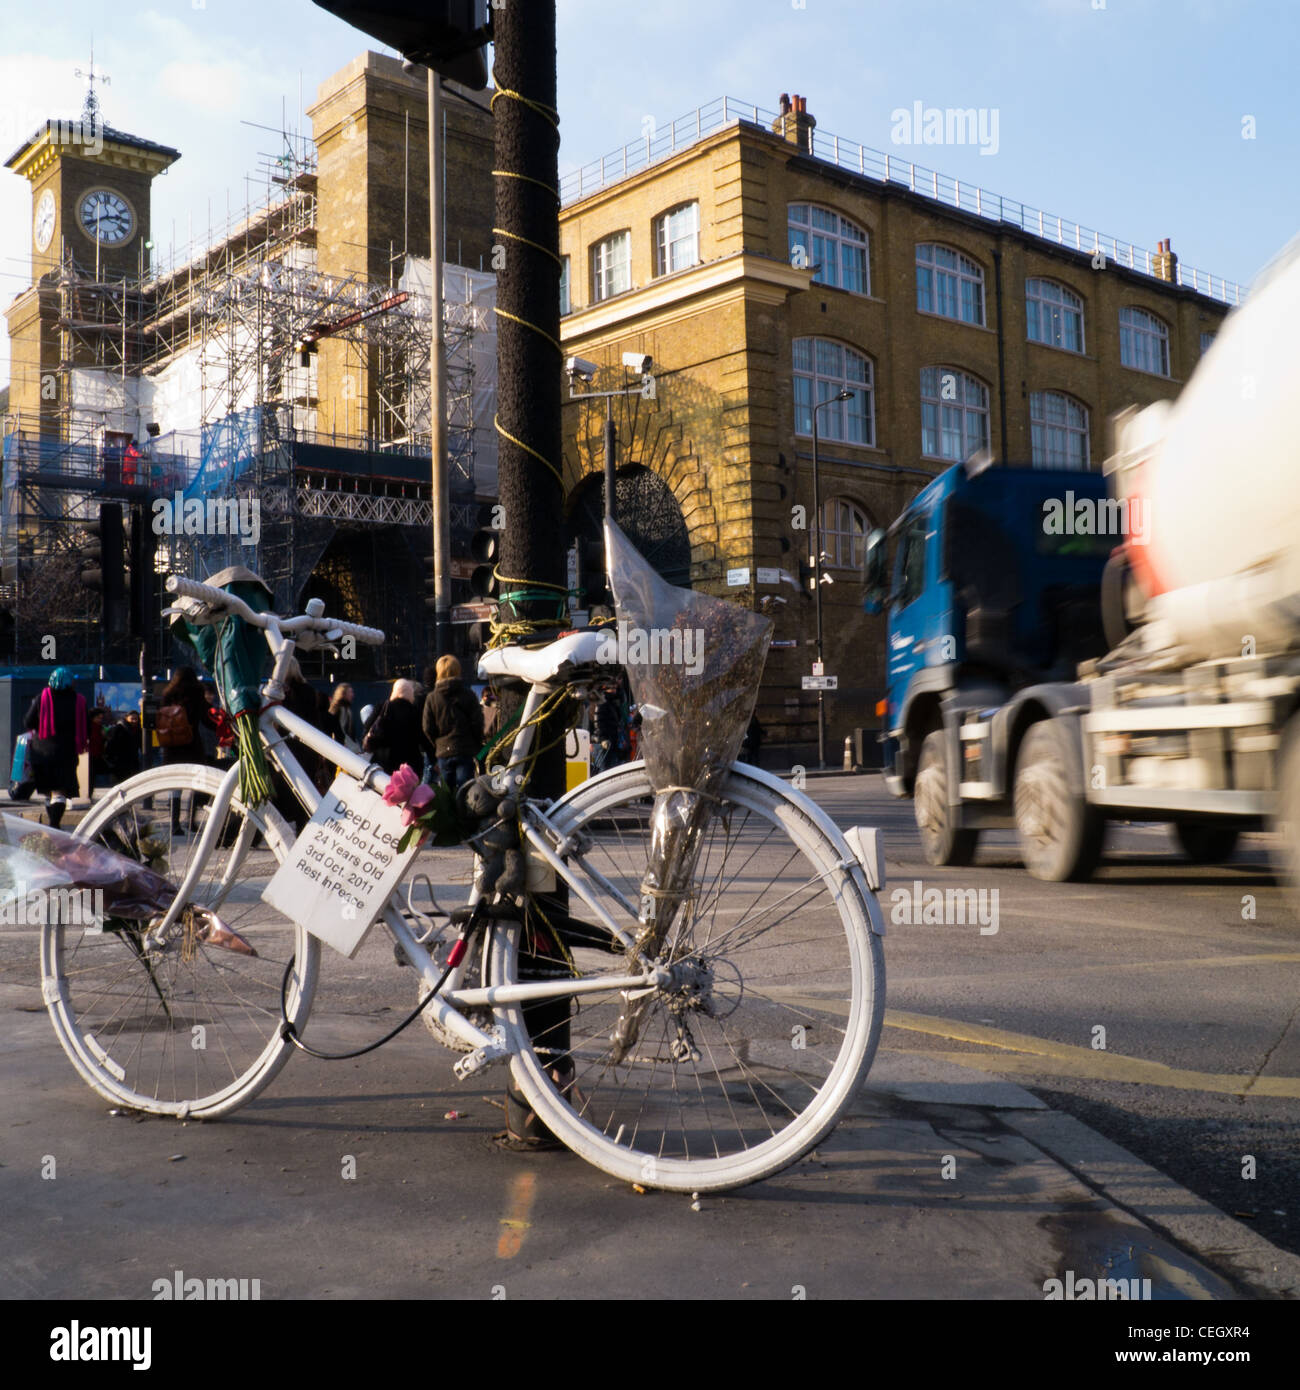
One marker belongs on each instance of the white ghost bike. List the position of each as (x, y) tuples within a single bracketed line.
[(754, 1025)]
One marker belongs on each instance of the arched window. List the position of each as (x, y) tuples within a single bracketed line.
[(677, 239), (954, 414), (1054, 315), (834, 246), (611, 266), (822, 369), (949, 284), (1143, 342), (845, 527), (1058, 426)]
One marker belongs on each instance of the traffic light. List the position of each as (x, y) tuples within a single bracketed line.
[(102, 566), (485, 551), (449, 36), (145, 595), (592, 580)]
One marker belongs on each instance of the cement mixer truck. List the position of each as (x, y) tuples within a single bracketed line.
[(1067, 649)]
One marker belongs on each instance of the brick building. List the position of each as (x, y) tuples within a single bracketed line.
[(766, 266)]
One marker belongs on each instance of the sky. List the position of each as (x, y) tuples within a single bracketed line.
[(1143, 119)]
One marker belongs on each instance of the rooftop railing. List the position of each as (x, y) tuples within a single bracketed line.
[(662, 142)]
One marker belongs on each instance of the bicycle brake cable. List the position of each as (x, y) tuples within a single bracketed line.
[(287, 1029)]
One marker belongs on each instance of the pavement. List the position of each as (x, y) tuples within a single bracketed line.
[(379, 1178)]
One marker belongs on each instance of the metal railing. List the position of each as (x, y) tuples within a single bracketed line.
[(660, 143)]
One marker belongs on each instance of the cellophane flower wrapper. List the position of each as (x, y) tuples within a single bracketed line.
[(695, 708), (36, 858)]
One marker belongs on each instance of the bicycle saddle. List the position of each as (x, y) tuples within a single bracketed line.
[(537, 665)]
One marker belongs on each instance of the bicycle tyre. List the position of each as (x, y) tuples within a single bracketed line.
[(789, 1032), (197, 1037)]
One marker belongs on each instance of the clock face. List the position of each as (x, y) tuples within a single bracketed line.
[(43, 226), (106, 217)]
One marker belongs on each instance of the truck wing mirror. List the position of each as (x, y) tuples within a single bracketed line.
[(876, 591)]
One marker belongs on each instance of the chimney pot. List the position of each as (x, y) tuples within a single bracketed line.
[(785, 103)]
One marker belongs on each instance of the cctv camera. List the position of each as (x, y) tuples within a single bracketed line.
[(638, 362), (580, 367)]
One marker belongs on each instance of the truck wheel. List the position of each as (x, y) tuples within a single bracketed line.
[(942, 842), (1286, 825), (1203, 843), (1061, 836)]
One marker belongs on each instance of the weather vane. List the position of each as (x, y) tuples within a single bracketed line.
[(90, 112)]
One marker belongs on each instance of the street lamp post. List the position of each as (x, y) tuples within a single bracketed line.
[(817, 569)]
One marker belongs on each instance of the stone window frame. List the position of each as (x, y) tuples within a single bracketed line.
[(1068, 304), (1139, 327), (598, 259), (967, 272), (663, 247), (833, 536), (838, 432), (960, 403), (1040, 428), (846, 235)]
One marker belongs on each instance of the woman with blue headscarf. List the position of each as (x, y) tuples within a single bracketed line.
[(58, 717)]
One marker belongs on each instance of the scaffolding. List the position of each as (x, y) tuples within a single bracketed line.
[(199, 383)]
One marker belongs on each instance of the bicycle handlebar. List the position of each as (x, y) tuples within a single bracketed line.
[(219, 599)]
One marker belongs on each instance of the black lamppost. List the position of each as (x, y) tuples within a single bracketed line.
[(817, 569)]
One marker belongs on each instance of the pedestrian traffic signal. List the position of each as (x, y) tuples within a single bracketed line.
[(449, 36), (102, 566)]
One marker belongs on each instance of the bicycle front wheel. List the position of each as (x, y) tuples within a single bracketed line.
[(749, 1056), (186, 1023)]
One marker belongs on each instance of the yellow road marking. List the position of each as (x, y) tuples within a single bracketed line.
[(1022, 1053), (516, 1223)]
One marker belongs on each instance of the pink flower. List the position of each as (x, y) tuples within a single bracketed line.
[(400, 785), (421, 797)]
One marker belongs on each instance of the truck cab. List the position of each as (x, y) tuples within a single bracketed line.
[(991, 581)]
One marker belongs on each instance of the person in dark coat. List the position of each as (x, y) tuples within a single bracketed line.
[(453, 723), (752, 745), (395, 737), (185, 690), (341, 708), (58, 718), (608, 724)]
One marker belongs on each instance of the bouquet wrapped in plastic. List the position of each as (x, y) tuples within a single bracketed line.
[(48, 875), (694, 664), (36, 860)]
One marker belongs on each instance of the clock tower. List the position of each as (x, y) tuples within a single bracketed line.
[(90, 207), (90, 192)]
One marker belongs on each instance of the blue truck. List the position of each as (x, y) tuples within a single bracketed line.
[(994, 580)]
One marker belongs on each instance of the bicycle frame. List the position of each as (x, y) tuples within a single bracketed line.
[(277, 725)]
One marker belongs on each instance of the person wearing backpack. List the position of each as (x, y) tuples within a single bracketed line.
[(182, 708), (57, 716)]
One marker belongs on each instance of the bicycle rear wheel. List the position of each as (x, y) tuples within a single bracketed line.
[(187, 1025), (749, 1057)]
